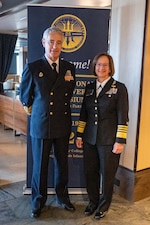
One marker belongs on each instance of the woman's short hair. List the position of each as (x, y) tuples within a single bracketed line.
[(111, 63)]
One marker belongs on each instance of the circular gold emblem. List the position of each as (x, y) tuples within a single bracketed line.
[(74, 32)]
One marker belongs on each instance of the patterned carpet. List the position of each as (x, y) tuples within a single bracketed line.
[(15, 210)]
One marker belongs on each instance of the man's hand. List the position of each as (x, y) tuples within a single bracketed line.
[(79, 142), (28, 110)]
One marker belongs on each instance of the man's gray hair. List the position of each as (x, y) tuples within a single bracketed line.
[(52, 30)]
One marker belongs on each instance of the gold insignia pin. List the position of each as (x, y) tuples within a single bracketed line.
[(40, 74)]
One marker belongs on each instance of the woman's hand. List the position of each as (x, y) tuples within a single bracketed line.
[(118, 148)]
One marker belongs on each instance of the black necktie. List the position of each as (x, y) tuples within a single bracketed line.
[(54, 68), (98, 90)]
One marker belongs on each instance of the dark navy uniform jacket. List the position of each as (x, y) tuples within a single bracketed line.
[(49, 98), (104, 120)]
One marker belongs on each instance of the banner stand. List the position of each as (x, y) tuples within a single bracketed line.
[(84, 38)]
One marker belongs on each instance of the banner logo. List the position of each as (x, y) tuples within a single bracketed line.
[(74, 32)]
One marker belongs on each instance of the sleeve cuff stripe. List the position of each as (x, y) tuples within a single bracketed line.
[(122, 127), (121, 135), (122, 131), (81, 126)]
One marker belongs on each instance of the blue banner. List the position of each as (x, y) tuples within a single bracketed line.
[(86, 33)]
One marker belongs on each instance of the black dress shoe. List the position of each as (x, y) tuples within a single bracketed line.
[(90, 209), (67, 205), (99, 215), (35, 213)]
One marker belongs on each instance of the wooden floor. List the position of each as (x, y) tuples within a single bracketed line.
[(13, 156)]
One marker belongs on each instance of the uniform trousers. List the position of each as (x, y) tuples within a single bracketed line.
[(100, 165), (40, 151)]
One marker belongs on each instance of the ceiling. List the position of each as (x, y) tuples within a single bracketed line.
[(13, 13)]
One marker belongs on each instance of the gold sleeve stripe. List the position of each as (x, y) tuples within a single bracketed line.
[(122, 131), (81, 126)]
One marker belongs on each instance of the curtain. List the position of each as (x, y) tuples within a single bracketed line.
[(7, 46)]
